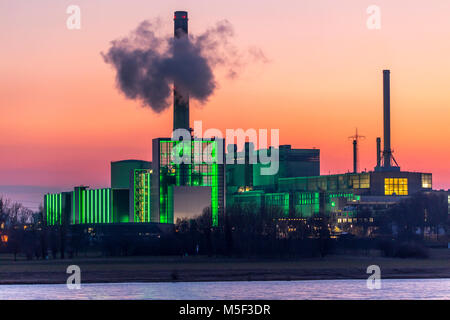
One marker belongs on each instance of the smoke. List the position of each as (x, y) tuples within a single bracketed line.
[(147, 65)]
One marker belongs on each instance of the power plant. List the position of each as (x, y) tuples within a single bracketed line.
[(146, 192)]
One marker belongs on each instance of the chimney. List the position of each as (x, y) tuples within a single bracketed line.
[(355, 139), (385, 159), (180, 98), (378, 152), (387, 118)]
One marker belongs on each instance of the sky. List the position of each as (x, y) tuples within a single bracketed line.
[(63, 120)]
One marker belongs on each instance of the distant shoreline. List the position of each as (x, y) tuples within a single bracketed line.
[(211, 279), (204, 269)]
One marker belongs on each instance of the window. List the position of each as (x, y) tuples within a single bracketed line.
[(426, 181), (396, 186), (361, 181), (364, 181)]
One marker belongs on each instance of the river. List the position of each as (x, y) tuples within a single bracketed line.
[(277, 290)]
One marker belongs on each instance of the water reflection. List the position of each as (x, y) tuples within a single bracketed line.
[(284, 290)]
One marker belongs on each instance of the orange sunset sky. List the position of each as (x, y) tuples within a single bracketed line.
[(62, 119)]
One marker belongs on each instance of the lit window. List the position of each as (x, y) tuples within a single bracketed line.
[(396, 186), (426, 181)]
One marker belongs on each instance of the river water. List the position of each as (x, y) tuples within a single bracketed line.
[(277, 290)]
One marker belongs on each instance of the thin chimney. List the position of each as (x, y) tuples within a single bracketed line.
[(180, 98), (387, 153)]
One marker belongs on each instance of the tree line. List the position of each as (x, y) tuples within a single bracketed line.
[(243, 232)]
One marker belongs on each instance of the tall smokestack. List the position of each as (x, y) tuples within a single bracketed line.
[(378, 152), (355, 156), (387, 153), (180, 98)]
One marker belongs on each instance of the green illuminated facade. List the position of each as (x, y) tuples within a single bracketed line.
[(306, 204), (295, 204), (55, 206), (92, 206), (202, 169), (278, 200), (140, 208), (81, 206)]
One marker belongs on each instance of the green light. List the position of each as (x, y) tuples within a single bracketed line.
[(91, 207), (53, 208), (88, 211), (49, 200), (201, 173), (112, 204), (73, 207), (95, 206), (80, 216), (103, 207), (82, 206), (107, 202), (148, 197), (333, 204), (60, 209)]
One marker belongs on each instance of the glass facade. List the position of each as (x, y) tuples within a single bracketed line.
[(329, 183), (279, 200), (396, 186), (297, 204), (361, 181), (306, 204), (201, 169)]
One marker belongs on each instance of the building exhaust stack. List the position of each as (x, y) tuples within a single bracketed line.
[(378, 152), (180, 97), (387, 118), (389, 163), (355, 139)]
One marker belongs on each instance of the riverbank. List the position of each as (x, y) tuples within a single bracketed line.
[(169, 269)]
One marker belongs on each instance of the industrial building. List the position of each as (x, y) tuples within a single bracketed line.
[(300, 191), (207, 173), (143, 192)]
